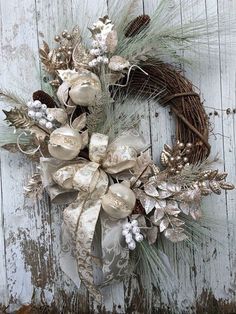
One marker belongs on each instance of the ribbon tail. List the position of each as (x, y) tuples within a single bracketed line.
[(84, 238), (81, 218), (115, 253)]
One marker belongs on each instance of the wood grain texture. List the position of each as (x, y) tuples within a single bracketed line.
[(30, 273)]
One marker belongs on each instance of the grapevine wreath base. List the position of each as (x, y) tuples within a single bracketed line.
[(117, 197)]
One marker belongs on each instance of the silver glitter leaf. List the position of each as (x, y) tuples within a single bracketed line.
[(139, 193), (184, 207), (148, 203), (172, 203), (172, 211), (177, 222), (160, 204), (164, 194), (174, 188), (80, 122), (175, 235), (196, 214), (158, 215), (152, 234), (162, 185), (151, 190), (164, 224)]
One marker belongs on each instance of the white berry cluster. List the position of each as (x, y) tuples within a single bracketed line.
[(38, 112), (99, 43), (131, 232)]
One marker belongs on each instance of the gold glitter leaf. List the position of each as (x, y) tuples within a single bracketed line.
[(18, 118)]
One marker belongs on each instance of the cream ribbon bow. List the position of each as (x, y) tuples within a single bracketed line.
[(90, 179)]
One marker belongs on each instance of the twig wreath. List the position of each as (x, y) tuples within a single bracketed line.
[(97, 163)]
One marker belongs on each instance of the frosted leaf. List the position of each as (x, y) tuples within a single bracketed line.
[(164, 194), (162, 185), (184, 207), (172, 211), (172, 203), (158, 215), (139, 193), (177, 222), (164, 224), (196, 214), (111, 41), (174, 188), (151, 190), (160, 204), (175, 235), (142, 162), (148, 203), (152, 235), (80, 122)]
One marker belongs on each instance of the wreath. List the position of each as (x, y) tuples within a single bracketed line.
[(92, 158)]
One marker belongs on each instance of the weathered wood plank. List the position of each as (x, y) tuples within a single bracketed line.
[(4, 297), (27, 227)]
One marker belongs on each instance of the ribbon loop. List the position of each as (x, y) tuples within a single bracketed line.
[(98, 147)]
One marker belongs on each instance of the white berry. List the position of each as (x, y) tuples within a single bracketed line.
[(125, 232), (42, 122), (49, 125), (132, 245), (105, 60), (136, 230), (99, 59), (38, 115), (134, 223), (31, 114), (50, 117), (139, 237), (128, 238), (37, 104), (127, 226), (44, 107)]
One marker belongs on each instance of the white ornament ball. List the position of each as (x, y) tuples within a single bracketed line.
[(85, 88), (119, 201), (65, 143), (138, 237), (132, 245)]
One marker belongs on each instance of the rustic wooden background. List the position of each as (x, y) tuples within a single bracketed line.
[(30, 277)]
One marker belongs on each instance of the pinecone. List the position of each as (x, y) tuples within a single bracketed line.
[(44, 98), (138, 208), (137, 25)]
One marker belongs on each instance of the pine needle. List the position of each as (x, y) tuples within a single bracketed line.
[(12, 98)]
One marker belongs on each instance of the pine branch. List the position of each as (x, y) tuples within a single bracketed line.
[(12, 98)]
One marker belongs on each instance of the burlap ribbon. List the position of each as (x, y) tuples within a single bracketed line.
[(82, 183)]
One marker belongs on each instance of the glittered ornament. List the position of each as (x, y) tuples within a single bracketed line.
[(65, 143), (85, 87), (119, 202)]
